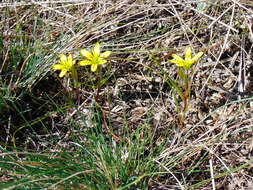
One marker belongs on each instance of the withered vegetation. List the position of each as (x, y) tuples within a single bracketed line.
[(41, 113)]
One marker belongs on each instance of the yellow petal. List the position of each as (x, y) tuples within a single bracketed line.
[(86, 54), (177, 60), (70, 60), (176, 57), (63, 58), (85, 62), (96, 50), (62, 73), (188, 64), (197, 56), (101, 61), (188, 53), (179, 63), (105, 54), (94, 67), (57, 67)]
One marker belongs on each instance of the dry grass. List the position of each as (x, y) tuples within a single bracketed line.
[(215, 149)]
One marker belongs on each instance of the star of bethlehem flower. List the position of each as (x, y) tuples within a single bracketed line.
[(188, 61), (94, 57), (65, 65)]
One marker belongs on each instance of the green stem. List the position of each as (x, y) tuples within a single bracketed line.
[(74, 76), (184, 76)]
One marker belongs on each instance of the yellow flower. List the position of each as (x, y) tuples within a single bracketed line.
[(65, 64), (188, 61), (94, 58)]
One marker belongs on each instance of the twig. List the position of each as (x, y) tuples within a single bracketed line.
[(97, 99), (116, 138), (242, 76), (211, 171)]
